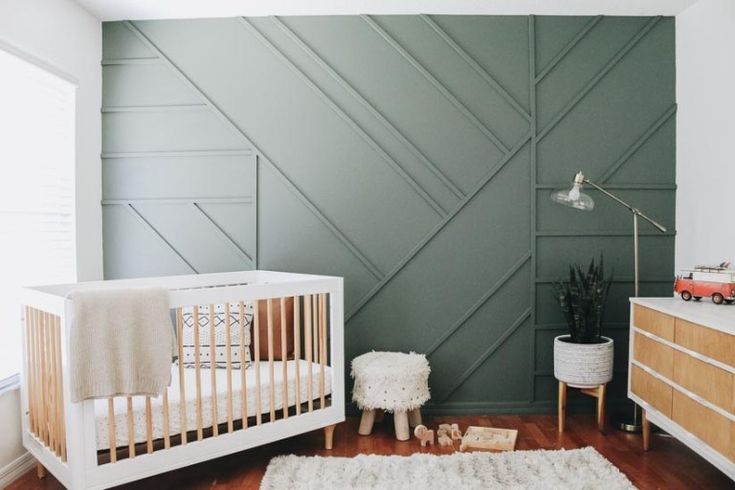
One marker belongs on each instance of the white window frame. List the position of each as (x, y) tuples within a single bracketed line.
[(12, 382)]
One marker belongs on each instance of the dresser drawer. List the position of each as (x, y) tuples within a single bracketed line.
[(710, 382), (655, 355), (659, 324), (654, 391), (712, 428), (712, 343)]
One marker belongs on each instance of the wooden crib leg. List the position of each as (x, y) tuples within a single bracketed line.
[(40, 471), (329, 436)]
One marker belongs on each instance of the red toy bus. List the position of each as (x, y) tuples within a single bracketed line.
[(716, 282)]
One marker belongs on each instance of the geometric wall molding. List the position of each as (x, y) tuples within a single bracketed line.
[(414, 156)]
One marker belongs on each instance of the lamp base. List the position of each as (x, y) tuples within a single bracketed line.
[(629, 422)]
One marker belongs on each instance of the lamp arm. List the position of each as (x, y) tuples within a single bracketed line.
[(632, 209)]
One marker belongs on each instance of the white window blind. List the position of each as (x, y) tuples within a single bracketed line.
[(37, 233)]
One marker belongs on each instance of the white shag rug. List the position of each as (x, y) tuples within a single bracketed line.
[(575, 469)]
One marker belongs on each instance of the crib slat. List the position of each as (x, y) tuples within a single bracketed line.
[(34, 373), (271, 371), (148, 425), (322, 346), (51, 359), (297, 349), (166, 426), (315, 326), (58, 421), (213, 369), (44, 378), (111, 434), (197, 373), (39, 374), (256, 353), (309, 352), (182, 390), (131, 428), (60, 389), (31, 350), (228, 341), (47, 385), (284, 358), (243, 382)]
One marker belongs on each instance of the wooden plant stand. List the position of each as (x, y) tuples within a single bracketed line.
[(595, 391)]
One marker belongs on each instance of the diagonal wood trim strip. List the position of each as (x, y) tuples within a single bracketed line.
[(364, 260), (600, 75), (604, 233), (181, 200), (153, 108), (436, 83), (634, 187), (476, 66), (175, 154), (478, 304), (485, 355), (356, 128), (221, 232), (616, 280), (637, 144), (570, 45), (439, 226), (152, 60), (141, 219), (368, 106)]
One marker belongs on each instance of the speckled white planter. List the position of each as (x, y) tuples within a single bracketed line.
[(583, 365)]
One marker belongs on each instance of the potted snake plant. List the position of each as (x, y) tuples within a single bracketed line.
[(583, 357)]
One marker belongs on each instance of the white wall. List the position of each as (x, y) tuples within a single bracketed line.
[(64, 36), (10, 442), (705, 43)]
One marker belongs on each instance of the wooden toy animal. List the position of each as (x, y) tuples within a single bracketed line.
[(456, 434), (452, 430), (424, 435), (445, 440)]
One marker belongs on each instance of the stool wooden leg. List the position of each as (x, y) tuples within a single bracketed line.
[(646, 426), (601, 407), (414, 417), (400, 419), (562, 404), (40, 471), (329, 436), (366, 422)]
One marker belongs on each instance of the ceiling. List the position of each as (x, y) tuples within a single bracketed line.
[(173, 9)]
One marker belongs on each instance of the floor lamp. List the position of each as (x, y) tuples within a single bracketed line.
[(577, 199)]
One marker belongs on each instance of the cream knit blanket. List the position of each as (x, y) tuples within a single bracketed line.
[(122, 343)]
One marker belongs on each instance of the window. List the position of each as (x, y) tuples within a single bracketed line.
[(36, 191)]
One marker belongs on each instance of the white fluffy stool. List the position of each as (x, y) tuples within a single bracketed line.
[(394, 382)]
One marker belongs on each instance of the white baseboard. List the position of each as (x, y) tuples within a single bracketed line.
[(16, 469)]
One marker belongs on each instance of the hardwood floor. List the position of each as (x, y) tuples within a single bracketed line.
[(669, 464)]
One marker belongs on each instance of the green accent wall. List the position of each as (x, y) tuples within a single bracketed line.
[(413, 155)]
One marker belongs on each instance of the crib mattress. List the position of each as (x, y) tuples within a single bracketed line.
[(174, 401)]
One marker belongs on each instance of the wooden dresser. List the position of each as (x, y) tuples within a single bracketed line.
[(682, 373)]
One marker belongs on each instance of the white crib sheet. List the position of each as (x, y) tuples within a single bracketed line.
[(121, 420)]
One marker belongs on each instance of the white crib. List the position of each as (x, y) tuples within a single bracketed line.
[(206, 413)]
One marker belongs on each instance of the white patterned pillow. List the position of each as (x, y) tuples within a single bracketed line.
[(221, 324)]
